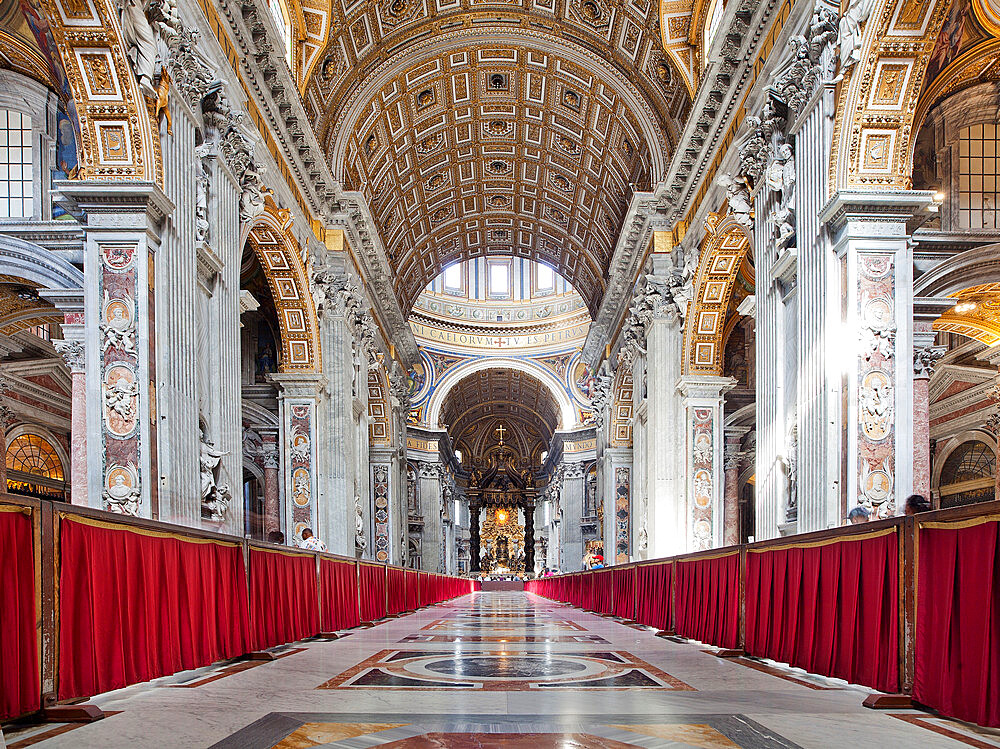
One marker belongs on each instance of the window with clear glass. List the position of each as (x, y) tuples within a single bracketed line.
[(978, 191), (453, 277), (714, 19), (545, 278), (16, 188), (280, 16), (499, 277), (29, 453)]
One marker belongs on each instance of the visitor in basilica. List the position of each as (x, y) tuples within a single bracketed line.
[(584, 333)]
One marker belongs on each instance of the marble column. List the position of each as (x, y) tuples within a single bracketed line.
[(703, 406), (429, 488), (664, 447), (529, 537), (73, 349), (871, 238), (925, 355), (572, 499), (298, 398), (122, 234), (619, 516), (731, 461), (381, 488), (272, 502), (474, 566)]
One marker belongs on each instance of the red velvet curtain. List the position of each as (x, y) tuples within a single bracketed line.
[(708, 602), (136, 605), (602, 583), (829, 609), (339, 586), (397, 590), (958, 621), (624, 592), (372, 596), (411, 590), (654, 594), (283, 597), (19, 677)]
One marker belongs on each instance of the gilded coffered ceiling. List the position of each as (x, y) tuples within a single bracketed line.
[(517, 128), (478, 402)]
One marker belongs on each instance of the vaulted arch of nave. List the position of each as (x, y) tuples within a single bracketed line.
[(496, 290)]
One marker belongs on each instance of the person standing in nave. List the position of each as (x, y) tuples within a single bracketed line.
[(310, 542)]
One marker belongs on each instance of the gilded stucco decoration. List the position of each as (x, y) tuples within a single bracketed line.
[(885, 48), (276, 249), (676, 32), (478, 403), (976, 314), (379, 408), (621, 408), (721, 259), (117, 136)]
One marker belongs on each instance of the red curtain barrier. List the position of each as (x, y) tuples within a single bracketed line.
[(624, 587), (831, 608), (397, 590), (708, 599), (957, 650), (339, 587), (282, 597), (19, 679), (654, 594), (602, 586), (136, 605), (372, 594), (411, 590)]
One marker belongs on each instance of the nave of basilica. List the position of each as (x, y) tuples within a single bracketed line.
[(491, 292)]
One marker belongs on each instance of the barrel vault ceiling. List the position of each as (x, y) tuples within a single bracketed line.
[(510, 128)]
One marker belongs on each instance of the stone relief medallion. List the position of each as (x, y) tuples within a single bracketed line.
[(118, 256), (299, 527), (877, 488), (876, 401), (876, 266), (121, 490), (703, 532), (300, 487), (702, 488), (121, 395), (878, 312)]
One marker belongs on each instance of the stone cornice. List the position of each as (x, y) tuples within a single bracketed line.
[(646, 213), (350, 212), (266, 76)]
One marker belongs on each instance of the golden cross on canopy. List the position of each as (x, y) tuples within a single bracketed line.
[(500, 432)]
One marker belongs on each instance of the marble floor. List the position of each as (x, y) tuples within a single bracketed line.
[(498, 670)]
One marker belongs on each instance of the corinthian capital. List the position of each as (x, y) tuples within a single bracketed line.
[(75, 354)]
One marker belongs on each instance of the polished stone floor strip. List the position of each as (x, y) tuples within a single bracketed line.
[(494, 670)]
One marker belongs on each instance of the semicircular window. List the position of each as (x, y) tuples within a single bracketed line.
[(34, 468), (968, 475)]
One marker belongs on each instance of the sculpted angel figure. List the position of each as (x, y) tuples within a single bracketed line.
[(118, 396)]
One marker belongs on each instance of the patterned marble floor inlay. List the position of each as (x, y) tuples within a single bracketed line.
[(503, 670), (338, 731)]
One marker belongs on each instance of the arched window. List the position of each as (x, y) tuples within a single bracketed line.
[(978, 190), (279, 12), (16, 180), (34, 467), (968, 475), (714, 18)]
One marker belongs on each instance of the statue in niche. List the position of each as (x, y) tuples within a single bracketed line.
[(215, 496), (144, 24), (252, 197), (201, 204), (738, 197), (360, 540)]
